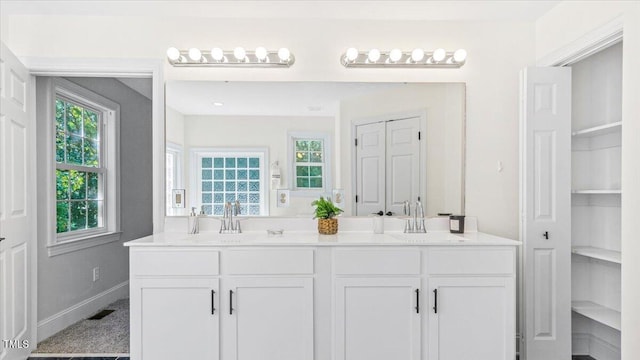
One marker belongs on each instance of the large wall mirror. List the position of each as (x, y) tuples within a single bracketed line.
[(273, 147)]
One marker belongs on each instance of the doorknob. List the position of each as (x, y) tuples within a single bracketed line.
[(546, 235), (379, 213), (389, 213)]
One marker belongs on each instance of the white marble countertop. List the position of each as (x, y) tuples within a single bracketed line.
[(293, 238)]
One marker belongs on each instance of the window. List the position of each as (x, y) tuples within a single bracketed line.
[(309, 159), (227, 176), (79, 171), (86, 170)]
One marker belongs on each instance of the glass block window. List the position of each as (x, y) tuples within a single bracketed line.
[(309, 160), (79, 166), (230, 176)]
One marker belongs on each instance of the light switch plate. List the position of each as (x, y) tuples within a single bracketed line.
[(282, 197), (338, 196)]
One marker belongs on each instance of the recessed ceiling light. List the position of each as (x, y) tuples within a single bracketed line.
[(216, 103)]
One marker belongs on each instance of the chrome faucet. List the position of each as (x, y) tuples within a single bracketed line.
[(414, 224), (227, 225)]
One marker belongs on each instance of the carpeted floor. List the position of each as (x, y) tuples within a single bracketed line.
[(109, 335)]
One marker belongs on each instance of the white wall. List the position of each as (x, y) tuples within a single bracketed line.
[(497, 51), (257, 131), (174, 131), (444, 107), (561, 27)]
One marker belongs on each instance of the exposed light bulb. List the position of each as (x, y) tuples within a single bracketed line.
[(439, 55), (217, 54), (374, 55), (460, 55), (195, 54), (239, 53), (173, 54), (217, 104), (284, 54), (417, 55), (261, 53), (352, 54), (395, 55)]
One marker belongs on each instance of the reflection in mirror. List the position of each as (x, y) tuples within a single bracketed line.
[(275, 146)]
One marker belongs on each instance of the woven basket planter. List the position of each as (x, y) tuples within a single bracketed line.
[(328, 226)]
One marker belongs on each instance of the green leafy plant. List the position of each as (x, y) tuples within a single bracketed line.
[(325, 209)]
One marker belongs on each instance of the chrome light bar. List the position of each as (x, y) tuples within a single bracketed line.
[(397, 58), (238, 57)]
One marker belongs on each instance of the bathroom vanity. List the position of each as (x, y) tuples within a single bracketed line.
[(304, 296)]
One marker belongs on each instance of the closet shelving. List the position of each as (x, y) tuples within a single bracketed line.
[(598, 253), (599, 313), (596, 196)]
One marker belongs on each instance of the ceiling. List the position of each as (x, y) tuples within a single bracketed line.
[(434, 10), (264, 98)]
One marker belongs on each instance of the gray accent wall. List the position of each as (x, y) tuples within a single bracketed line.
[(67, 280)]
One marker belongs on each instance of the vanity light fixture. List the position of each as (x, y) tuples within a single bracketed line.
[(238, 57), (417, 58)]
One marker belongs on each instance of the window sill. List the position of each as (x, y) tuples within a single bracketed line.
[(82, 243)]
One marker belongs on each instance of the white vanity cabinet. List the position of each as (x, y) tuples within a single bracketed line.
[(323, 300), (270, 297), (377, 304), (471, 308), (175, 304)]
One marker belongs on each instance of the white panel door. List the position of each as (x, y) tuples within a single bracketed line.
[(370, 168), (546, 211), (17, 157), (472, 318), (178, 319), (268, 319), (403, 163), (377, 318)]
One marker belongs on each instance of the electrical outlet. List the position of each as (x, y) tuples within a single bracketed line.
[(96, 274)]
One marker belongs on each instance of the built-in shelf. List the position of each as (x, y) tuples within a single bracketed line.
[(598, 253), (596, 312), (597, 191), (599, 130)]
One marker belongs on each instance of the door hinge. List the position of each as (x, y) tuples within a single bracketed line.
[(419, 135), (356, 142), (356, 198)]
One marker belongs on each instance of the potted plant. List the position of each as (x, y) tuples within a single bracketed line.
[(326, 212)]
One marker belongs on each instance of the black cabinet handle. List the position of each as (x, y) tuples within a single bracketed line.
[(213, 302), (230, 302), (417, 301), (379, 213), (435, 301), (546, 235), (389, 213), (1, 238)]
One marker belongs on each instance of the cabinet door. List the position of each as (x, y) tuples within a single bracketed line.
[(175, 319), (472, 318), (268, 319), (377, 318)]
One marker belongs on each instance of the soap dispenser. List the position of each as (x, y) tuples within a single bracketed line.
[(194, 226)]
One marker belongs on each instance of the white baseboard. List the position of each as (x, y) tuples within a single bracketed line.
[(588, 344), (81, 310)]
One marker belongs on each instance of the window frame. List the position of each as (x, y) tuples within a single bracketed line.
[(327, 185), (177, 151), (195, 172), (61, 243)]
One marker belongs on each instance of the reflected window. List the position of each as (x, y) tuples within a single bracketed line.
[(230, 176), (309, 161)]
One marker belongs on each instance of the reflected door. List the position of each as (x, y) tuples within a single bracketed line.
[(388, 157)]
